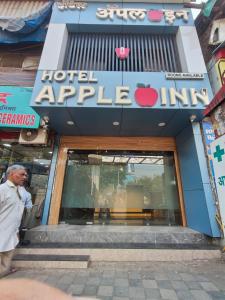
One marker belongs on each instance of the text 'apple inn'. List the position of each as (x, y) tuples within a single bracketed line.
[(144, 96)]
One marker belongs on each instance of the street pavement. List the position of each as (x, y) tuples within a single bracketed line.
[(199, 280)]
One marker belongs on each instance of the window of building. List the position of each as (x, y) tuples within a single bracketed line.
[(96, 51), (120, 188), (22, 56)]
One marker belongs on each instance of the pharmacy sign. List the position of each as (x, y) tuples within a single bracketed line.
[(218, 158)]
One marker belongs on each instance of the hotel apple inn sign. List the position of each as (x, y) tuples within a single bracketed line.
[(145, 96), (140, 14), (111, 11)]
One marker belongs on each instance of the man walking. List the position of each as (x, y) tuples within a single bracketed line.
[(11, 211)]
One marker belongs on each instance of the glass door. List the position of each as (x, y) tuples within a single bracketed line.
[(115, 187)]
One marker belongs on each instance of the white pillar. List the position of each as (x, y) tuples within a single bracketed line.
[(189, 49), (54, 48)]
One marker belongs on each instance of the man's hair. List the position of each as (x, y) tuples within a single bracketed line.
[(14, 168)]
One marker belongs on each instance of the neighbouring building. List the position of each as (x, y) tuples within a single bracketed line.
[(124, 86), (211, 32), (23, 27)]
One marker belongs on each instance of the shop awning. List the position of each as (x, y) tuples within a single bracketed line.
[(23, 17), (219, 97)]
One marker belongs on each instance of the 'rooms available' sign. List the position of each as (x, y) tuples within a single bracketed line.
[(82, 86)]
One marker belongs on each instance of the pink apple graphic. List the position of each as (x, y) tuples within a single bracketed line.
[(122, 52), (155, 15), (145, 96)]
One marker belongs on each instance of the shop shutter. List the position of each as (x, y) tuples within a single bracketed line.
[(96, 51)]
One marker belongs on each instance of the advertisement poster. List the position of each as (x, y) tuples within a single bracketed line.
[(218, 159), (209, 137)]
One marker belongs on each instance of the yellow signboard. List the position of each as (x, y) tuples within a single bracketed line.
[(220, 69)]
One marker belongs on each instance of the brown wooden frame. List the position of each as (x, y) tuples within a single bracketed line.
[(108, 143)]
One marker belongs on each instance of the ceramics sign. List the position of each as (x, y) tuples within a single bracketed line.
[(15, 111)]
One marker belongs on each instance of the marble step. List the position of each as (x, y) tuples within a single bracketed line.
[(136, 235), (103, 245), (48, 260), (125, 255)]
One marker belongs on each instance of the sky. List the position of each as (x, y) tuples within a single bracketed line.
[(197, 11)]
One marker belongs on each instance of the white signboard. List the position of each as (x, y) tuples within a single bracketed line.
[(218, 158), (184, 76)]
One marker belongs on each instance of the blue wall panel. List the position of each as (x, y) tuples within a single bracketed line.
[(199, 203)]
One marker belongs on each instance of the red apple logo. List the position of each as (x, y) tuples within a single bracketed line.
[(145, 96), (155, 15)]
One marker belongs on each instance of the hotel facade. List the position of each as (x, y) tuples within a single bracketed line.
[(124, 86)]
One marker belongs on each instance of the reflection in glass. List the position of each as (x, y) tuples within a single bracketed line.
[(120, 188), (37, 161)]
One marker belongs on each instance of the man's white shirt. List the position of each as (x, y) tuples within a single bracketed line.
[(26, 197), (11, 211)]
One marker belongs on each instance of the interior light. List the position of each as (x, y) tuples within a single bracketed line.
[(107, 159), (70, 123), (193, 118), (116, 123), (162, 124), (7, 145), (121, 159), (50, 152)]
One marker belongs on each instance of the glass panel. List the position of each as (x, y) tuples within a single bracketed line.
[(120, 188), (37, 161)]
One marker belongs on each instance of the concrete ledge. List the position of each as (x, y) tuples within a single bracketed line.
[(51, 257), (50, 264), (128, 255)]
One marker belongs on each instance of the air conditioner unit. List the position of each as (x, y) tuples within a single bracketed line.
[(33, 136)]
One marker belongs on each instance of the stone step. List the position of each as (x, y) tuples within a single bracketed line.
[(85, 234), (107, 245), (127, 255), (46, 260)]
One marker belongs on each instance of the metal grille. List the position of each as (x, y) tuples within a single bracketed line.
[(96, 51)]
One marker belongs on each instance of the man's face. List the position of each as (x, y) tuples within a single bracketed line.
[(18, 177)]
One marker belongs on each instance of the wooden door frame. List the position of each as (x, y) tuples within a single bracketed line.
[(109, 143)]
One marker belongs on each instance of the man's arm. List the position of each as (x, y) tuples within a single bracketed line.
[(28, 202), (2, 197)]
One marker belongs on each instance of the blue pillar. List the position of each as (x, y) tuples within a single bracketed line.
[(198, 198), (51, 178)]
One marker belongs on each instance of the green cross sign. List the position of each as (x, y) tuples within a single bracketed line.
[(219, 153)]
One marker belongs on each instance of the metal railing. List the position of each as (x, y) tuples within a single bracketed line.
[(96, 51)]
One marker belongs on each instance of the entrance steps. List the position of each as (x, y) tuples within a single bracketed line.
[(113, 244), (45, 260)]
